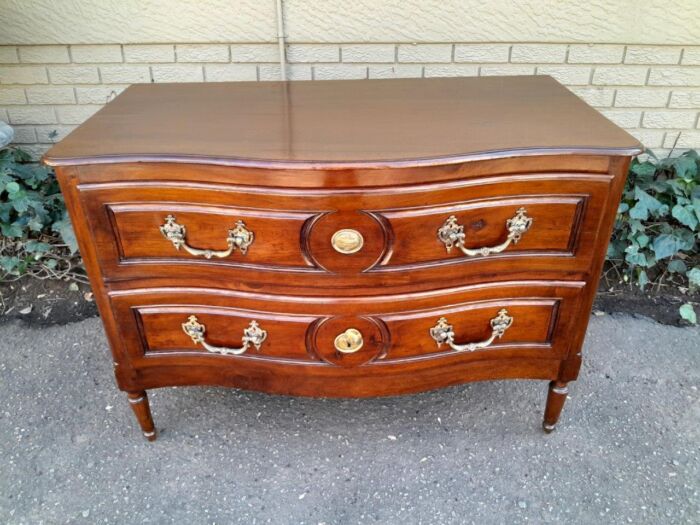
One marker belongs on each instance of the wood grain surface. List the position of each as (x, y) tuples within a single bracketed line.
[(344, 123)]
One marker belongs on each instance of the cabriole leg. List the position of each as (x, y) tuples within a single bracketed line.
[(555, 402), (142, 410)]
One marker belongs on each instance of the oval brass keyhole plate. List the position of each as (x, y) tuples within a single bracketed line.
[(347, 241), (349, 342)]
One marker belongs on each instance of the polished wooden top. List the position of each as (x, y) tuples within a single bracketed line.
[(343, 124)]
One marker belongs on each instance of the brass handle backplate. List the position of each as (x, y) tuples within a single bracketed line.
[(349, 342), (239, 237), (443, 333), (451, 233), (347, 241), (252, 335)]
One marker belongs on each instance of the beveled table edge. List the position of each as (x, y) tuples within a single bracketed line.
[(338, 165)]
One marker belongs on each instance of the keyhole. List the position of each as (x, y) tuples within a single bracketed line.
[(477, 225)]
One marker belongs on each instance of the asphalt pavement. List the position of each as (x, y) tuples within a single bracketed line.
[(626, 449)]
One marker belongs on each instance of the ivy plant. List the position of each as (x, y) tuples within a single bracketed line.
[(35, 230), (658, 221)]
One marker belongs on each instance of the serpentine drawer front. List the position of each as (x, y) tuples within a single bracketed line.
[(345, 238), (521, 320), (516, 223)]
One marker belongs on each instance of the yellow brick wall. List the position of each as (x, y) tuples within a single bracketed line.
[(652, 91), (59, 66)]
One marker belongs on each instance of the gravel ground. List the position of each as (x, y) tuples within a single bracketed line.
[(626, 450)]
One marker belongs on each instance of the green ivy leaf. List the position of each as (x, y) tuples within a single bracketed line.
[(639, 211), (666, 246), (688, 313), (37, 247), (636, 259), (686, 238), (695, 200), (685, 215), (616, 248), (643, 169), (5, 209), (646, 200), (35, 224), (694, 277), (637, 226), (651, 260), (21, 203), (686, 168), (13, 230), (9, 264), (65, 229), (12, 187), (677, 266), (679, 186)]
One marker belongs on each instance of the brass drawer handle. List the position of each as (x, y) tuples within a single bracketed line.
[(349, 342), (238, 237), (442, 332), (252, 335), (451, 233)]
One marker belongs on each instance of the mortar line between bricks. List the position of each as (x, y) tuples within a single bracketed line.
[(359, 42), (430, 42)]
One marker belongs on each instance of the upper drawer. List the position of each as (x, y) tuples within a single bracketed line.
[(410, 236)]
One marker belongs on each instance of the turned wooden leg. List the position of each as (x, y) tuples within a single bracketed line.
[(555, 402), (139, 404)]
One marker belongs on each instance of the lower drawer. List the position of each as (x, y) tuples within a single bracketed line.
[(345, 346)]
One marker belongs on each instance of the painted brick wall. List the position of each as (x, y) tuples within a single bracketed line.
[(653, 91)]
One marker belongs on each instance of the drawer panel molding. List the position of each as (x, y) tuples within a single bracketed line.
[(515, 320), (290, 241)]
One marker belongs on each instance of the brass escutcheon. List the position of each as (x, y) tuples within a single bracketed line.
[(349, 342), (347, 241)]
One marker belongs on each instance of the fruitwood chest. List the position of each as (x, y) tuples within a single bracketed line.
[(344, 238)]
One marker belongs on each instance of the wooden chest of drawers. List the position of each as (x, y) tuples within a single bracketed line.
[(349, 238)]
